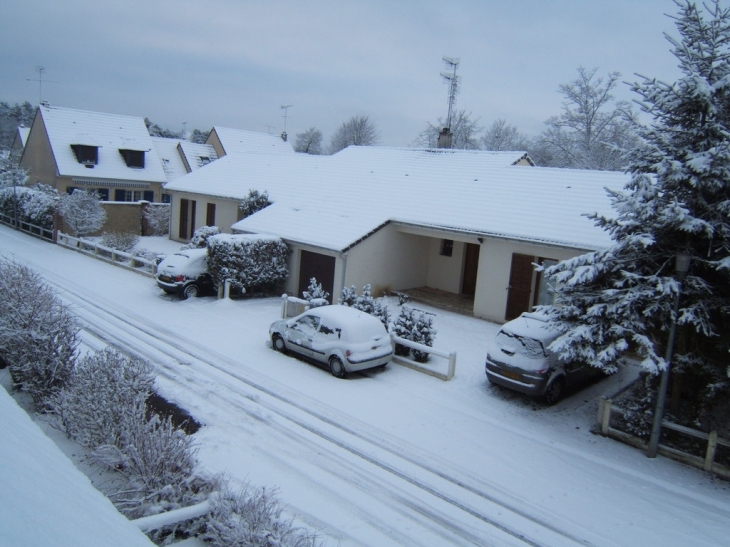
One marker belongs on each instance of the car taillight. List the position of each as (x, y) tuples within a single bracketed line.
[(348, 352), (180, 278)]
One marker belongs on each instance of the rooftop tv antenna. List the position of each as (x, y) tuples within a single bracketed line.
[(285, 108), (40, 81), (453, 80)]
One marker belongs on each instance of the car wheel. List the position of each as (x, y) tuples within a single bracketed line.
[(190, 291), (554, 390), (336, 367), (277, 342)]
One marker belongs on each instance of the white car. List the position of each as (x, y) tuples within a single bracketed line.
[(185, 273), (343, 338)]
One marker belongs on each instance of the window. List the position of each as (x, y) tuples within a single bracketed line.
[(204, 160), (133, 158), (132, 195), (447, 247), (86, 155), (544, 293)]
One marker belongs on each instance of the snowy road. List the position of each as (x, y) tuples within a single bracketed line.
[(391, 458)]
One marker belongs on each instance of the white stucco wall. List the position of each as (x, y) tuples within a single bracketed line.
[(226, 212), (388, 260), (495, 261), (445, 272)]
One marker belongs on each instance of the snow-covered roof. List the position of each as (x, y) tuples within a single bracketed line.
[(235, 141), (179, 157), (110, 133), (334, 201), (21, 137), (45, 499)]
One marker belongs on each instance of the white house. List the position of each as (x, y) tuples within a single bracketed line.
[(464, 222)]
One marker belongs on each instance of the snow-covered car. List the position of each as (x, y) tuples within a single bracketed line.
[(185, 273), (343, 338), (519, 359)]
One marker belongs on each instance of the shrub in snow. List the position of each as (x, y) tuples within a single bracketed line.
[(38, 334), (252, 518), (35, 205), (200, 237), (82, 212), (105, 390), (121, 241), (253, 203), (157, 216), (365, 302), (402, 328), (252, 263), (423, 333), (157, 461), (315, 294)]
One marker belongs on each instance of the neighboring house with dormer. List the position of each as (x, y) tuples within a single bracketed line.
[(469, 223), (180, 157), (110, 154)]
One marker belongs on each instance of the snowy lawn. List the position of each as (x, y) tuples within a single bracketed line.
[(392, 457)]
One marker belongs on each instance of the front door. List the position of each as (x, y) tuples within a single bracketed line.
[(471, 265), (520, 285)]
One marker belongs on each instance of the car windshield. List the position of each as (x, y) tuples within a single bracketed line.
[(521, 345)]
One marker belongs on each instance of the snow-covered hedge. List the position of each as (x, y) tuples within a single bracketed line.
[(36, 205), (253, 263), (121, 241), (38, 333)]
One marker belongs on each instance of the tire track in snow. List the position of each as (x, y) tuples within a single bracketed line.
[(443, 485)]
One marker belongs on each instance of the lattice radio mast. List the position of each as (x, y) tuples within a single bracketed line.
[(453, 80)]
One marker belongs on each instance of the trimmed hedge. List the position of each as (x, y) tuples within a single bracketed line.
[(252, 263)]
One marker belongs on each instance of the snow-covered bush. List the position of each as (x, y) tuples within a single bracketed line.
[(200, 237), (105, 390), (38, 334), (157, 461), (157, 216), (365, 302), (252, 263), (252, 518), (402, 328), (82, 212), (417, 326), (253, 203), (423, 333), (315, 294), (36, 205), (121, 241)]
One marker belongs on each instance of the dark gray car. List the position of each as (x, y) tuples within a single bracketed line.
[(518, 359)]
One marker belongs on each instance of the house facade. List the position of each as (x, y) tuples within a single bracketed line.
[(471, 223)]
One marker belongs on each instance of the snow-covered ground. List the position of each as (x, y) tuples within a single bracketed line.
[(393, 457)]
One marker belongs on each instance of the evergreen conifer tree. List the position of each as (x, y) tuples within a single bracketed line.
[(620, 299)]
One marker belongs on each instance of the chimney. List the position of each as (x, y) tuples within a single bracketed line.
[(444, 138), (283, 136)]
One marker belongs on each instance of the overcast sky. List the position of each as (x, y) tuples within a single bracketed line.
[(234, 63)]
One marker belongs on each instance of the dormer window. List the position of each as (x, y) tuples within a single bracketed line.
[(133, 158), (85, 154), (204, 160)]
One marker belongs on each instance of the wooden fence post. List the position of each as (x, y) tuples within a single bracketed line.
[(711, 447)]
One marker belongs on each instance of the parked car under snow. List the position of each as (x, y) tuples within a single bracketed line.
[(519, 359), (185, 273), (343, 338)]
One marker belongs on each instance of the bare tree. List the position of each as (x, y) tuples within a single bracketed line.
[(358, 130), (309, 141), (592, 129), (464, 132), (503, 136)]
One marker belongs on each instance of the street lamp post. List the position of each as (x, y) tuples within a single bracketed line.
[(682, 261)]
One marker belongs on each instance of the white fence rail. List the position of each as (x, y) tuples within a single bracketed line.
[(119, 258), (291, 306), (27, 227)]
